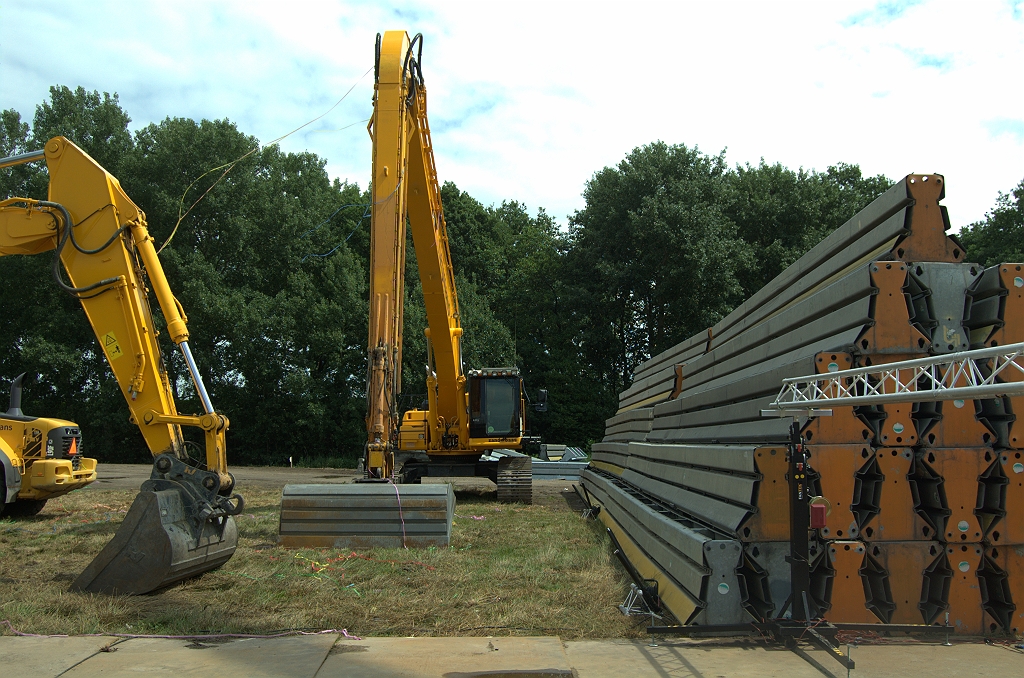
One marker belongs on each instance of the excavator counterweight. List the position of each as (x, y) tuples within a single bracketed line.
[(180, 524)]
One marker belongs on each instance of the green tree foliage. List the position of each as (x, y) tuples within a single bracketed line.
[(268, 258), (783, 213), (46, 333), (274, 297), (654, 258), (512, 262), (14, 140), (1000, 237)]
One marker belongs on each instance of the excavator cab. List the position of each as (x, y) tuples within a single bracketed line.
[(495, 403)]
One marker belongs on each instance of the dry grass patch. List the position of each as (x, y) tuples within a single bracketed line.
[(510, 569)]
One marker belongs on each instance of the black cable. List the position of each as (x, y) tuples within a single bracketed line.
[(61, 242), (376, 61), (105, 245)]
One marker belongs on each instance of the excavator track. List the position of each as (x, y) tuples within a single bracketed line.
[(515, 480)]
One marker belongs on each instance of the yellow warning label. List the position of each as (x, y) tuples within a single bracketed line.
[(111, 346)]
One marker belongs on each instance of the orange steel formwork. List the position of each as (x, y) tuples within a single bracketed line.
[(925, 500), (849, 603), (966, 613), (843, 426), (896, 520), (850, 482), (771, 520)]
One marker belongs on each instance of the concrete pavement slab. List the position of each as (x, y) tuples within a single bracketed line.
[(538, 657), (46, 656), (298, 656), (684, 659), (929, 660), (746, 658)]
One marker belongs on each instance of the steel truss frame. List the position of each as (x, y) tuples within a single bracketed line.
[(955, 376)]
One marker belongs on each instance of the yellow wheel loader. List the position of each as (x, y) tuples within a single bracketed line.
[(180, 524), (475, 419), (40, 458)]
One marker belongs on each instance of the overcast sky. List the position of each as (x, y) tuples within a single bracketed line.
[(528, 99)]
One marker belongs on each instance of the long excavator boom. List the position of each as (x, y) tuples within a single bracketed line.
[(180, 523), (468, 413)]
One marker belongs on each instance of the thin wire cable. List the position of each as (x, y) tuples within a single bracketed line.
[(401, 517), (359, 224), (207, 636), (227, 167), (339, 129), (334, 213)]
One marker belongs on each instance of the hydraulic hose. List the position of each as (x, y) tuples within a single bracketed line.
[(62, 240)]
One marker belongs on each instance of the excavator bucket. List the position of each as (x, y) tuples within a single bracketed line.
[(175, 529)]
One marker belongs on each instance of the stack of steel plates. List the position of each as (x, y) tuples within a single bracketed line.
[(927, 504)]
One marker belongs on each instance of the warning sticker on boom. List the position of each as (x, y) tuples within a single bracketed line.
[(111, 346)]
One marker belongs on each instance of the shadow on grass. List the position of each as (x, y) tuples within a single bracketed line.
[(477, 494)]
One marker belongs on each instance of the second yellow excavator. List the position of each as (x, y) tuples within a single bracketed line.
[(180, 523), (469, 413), (475, 422)]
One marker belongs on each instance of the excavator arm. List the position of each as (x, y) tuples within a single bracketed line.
[(405, 187), (467, 414), (102, 244)]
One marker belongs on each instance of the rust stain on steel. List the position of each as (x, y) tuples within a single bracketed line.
[(771, 520), (838, 466), (1011, 560), (927, 240), (960, 470), (678, 383), (958, 426), (1010, 530), (892, 332), (965, 611), (848, 601), (897, 428), (1012, 332), (1012, 314), (843, 427), (904, 563), (896, 520)]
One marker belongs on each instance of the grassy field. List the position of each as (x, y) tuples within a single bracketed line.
[(510, 569)]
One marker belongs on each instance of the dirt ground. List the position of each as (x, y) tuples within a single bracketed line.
[(552, 493)]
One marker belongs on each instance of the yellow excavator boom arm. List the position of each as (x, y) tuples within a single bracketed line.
[(180, 524), (106, 250)]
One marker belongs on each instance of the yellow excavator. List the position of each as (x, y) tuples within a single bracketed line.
[(474, 421), (180, 524), (470, 413)]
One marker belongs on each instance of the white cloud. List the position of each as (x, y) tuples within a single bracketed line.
[(529, 99)]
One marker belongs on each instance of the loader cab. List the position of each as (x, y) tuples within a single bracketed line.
[(495, 403)]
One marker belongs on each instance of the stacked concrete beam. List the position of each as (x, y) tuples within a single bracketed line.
[(888, 285)]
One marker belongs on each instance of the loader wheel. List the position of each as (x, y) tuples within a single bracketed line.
[(24, 508)]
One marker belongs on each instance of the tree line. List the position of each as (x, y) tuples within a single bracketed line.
[(271, 268)]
